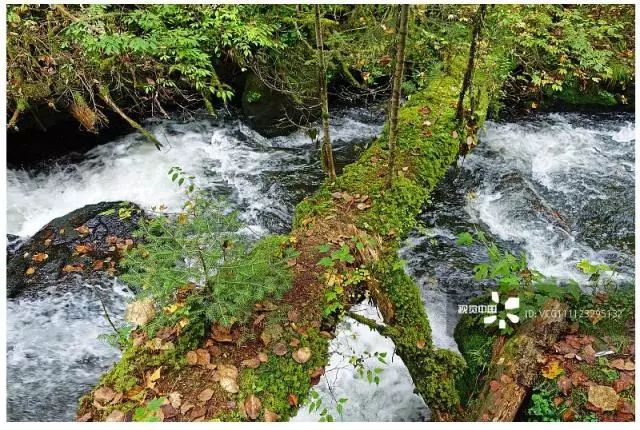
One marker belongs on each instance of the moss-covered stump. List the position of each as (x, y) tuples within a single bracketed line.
[(347, 236)]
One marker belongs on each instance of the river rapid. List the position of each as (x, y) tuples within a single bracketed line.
[(558, 186)]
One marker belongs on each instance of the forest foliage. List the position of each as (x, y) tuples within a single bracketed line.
[(155, 58)]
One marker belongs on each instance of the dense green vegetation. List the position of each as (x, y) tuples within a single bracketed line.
[(153, 59)]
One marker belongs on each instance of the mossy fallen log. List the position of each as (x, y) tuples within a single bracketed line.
[(357, 208)]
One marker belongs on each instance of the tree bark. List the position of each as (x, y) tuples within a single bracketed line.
[(466, 81), (327, 150), (397, 89), (514, 365)]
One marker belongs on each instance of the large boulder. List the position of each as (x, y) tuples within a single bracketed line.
[(88, 241)]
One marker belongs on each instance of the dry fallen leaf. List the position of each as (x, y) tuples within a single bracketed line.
[(603, 397), (292, 399), (228, 371), (115, 416), (280, 349), (203, 357), (192, 358), (83, 230), (30, 271), (40, 257), (229, 385), (140, 312), (252, 406), (205, 395), (83, 248), (251, 363), (564, 384), (263, 357), (104, 394), (73, 268), (175, 399), (155, 375), (269, 416), (302, 355)]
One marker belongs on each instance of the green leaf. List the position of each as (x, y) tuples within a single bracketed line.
[(464, 239)]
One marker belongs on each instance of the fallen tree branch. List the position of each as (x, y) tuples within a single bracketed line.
[(382, 329), (104, 95)]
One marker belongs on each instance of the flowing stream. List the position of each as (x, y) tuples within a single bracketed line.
[(558, 186)]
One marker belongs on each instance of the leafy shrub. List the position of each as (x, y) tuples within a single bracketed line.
[(199, 268)]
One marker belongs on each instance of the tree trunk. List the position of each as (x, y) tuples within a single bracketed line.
[(327, 151), (514, 365), (397, 89), (466, 82)]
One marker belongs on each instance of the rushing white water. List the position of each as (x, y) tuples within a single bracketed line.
[(53, 350), (560, 187), (392, 399), (262, 177)]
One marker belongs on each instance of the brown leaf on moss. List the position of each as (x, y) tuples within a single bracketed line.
[(252, 406), (292, 399), (270, 417), (221, 334), (568, 415), (83, 230), (620, 364), (302, 355), (69, 268), (263, 357), (623, 382), (421, 343), (251, 363), (104, 394), (175, 399), (588, 354), (228, 371), (280, 349), (578, 378), (83, 248), (203, 357), (115, 416)]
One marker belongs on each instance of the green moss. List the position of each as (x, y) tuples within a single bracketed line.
[(274, 381), (126, 373)]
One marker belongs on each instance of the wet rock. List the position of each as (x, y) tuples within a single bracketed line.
[(88, 242)]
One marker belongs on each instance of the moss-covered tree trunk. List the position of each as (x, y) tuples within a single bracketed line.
[(397, 89), (515, 364), (327, 150)]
